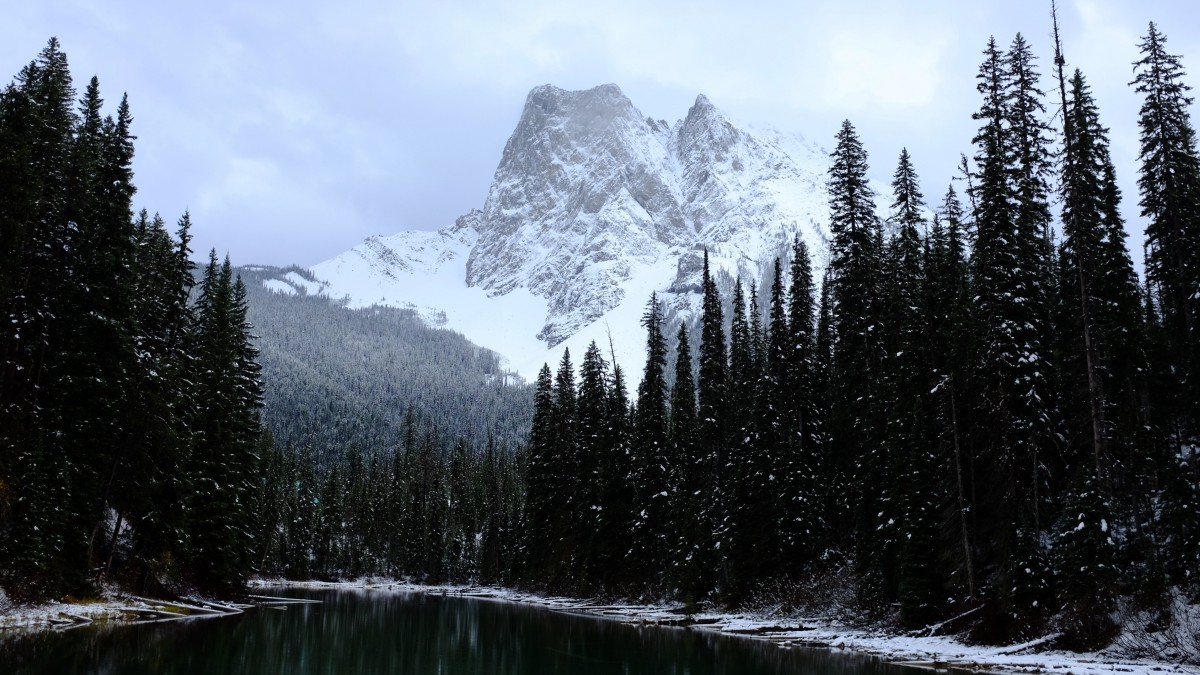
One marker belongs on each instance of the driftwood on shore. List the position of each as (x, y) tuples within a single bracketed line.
[(272, 600)]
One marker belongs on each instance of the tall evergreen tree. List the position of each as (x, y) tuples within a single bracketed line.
[(855, 269), (689, 477), (226, 428), (1104, 315), (1084, 564), (543, 499), (739, 471), (565, 474), (39, 125), (1014, 433), (652, 448), (905, 533), (614, 531), (594, 446), (801, 510), (1169, 184), (946, 332), (683, 401)]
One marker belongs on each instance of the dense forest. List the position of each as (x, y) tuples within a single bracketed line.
[(334, 377), (129, 395), (133, 447), (981, 419), (977, 418)]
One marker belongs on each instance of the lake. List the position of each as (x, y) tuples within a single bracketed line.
[(360, 632)]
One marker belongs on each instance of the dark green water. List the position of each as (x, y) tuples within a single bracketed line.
[(363, 632)]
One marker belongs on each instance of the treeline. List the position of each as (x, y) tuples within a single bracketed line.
[(977, 416), (128, 410), (435, 508)]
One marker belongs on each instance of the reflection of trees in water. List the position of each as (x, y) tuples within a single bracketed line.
[(378, 632)]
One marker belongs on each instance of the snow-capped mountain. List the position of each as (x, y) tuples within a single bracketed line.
[(593, 207)]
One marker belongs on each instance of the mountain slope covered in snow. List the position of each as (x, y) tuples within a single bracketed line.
[(593, 207)]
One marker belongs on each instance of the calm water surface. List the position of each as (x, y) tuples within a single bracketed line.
[(355, 632)]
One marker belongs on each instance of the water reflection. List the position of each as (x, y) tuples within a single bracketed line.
[(372, 632)]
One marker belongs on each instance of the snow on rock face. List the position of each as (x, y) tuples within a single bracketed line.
[(582, 190), (592, 207)]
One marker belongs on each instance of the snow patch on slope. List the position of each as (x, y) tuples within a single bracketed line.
[(593, 207)]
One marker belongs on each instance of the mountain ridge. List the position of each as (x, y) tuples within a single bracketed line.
[(593, 206)]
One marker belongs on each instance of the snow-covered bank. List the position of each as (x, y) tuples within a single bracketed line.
[(789, 630), (110, 608)]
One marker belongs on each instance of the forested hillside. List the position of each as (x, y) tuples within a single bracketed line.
[(336, 378)]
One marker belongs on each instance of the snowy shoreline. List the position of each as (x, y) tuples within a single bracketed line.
[(942, 652), (117, 609), (785, 630)]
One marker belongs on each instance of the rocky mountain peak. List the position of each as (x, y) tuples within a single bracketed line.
[(706, 130), (594, 205)]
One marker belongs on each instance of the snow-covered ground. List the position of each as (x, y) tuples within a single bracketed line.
[(783, 629), (789, 630), (111, 607)]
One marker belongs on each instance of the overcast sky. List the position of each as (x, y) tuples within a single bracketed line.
[(292, 129)]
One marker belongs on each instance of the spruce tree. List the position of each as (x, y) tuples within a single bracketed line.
[(712, 433), (855, 267), (683, 402), (946, 333), (1013, 435), (226, 428), (543, 497), (771, 452), (801, 511), (1169, 184), (594, 446), (617, 474), (1098, 275), (740, 470), (651, 506), (689, 484), (905, 534), (39, 125)]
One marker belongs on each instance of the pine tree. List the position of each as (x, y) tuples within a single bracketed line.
[(835, 500), (801, 512), (905, 534), (713, 425), (740, 470), (651, 446), (742, 380), (615, 528), (1169, 184), (491, 554), (683, 402), (565, 473), (226, 428), (1098, 273), (1013, 436), (689, 487), (855, 424), (146, 483), (542, 500), (594, 446), (946, 334), (38, 135), (768, 528)]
